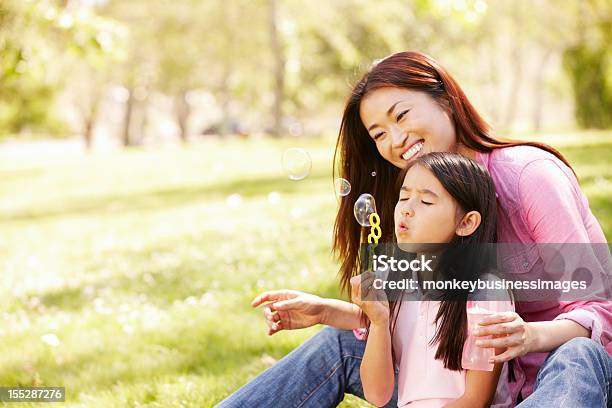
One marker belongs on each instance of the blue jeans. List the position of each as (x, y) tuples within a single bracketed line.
[(324, 368), (576, 374)]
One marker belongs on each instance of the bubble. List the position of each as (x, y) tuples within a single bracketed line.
[(234, 200), (50, 339), (342, 186), (373, 174), (296, 163), (274, 198), (364, 206)]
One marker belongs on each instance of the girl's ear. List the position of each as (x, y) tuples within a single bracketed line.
[(468, 224)]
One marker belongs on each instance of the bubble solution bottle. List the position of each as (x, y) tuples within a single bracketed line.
[(475, 357)]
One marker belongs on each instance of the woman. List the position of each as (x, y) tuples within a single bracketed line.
[(405, 106)]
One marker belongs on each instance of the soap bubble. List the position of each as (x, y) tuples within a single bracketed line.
[(296, 163), (50, 339), (274, 198), (234, 200), (297, 212), (342, 186), (364, 206)]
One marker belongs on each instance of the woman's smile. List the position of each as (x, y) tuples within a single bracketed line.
[(413, 151)]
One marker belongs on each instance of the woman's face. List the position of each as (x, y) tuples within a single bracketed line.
[(425, 212), (406, 124)]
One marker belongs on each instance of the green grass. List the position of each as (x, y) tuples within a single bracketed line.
[(138, 264)]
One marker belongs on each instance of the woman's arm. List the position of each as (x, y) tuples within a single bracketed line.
[(525, 337), (340, 314), (291, 309), (552, 206)]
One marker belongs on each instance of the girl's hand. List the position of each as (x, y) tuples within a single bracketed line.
[(510, 332), (372, 301), (290, 309)]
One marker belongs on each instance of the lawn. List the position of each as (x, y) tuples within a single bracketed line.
[(127, 276)]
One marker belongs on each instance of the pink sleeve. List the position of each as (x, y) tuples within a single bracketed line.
[(361, 334), (551, 208)]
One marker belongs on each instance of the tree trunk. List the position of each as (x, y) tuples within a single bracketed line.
[(538, 91), (279, 68), (89, 119), (88, 134), (127, 118), (515, 59), (182, 111)]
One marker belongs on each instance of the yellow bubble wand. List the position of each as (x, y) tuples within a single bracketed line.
[(373, 237)]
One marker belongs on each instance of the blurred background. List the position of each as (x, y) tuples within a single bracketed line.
[(144, 201)]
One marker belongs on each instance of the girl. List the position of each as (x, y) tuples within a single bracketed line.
[(444, 198), (405, 106)]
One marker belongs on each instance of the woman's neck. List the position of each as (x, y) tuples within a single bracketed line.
[(466, 151)]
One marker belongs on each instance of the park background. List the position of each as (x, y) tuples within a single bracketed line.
[(142, 199)]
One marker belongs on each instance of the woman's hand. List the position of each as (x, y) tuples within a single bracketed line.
[(372, 301), (510, 332), (290, 309)]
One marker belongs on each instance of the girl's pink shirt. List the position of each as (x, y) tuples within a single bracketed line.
[(423, 382)]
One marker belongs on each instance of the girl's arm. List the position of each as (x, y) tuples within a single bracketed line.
[(377, 374), (480, 389)]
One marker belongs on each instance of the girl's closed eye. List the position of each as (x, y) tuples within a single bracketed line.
[(426, 203)]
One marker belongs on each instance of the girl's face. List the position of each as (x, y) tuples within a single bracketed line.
[(425, 211), (406, 124)]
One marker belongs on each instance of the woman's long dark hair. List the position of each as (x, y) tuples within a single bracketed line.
[(356, 156), (471, 186)]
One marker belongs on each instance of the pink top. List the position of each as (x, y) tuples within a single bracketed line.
[(539, 200), (423, 382)]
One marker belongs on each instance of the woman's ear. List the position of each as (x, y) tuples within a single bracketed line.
[(468, 224)]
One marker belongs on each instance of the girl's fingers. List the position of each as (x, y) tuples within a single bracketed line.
[(501, 328)]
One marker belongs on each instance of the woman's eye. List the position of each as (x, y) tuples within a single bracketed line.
[(426, 203), (401, 115), (404, 198), (378, 135)]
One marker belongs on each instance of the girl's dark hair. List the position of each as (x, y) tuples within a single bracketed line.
[(472, 188), (356, 156)]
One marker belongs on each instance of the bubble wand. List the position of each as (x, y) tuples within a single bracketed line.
[(373, 236)]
